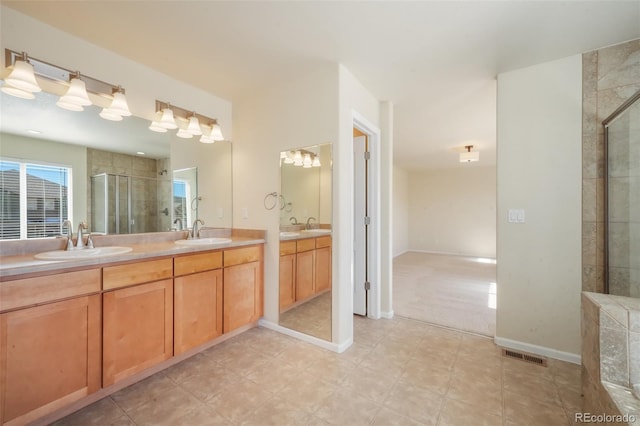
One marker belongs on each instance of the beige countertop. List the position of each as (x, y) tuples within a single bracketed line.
[(145, 247)]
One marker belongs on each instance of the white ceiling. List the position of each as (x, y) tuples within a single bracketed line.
[(436, 61)]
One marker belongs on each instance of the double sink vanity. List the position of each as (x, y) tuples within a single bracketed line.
[(84, 323)]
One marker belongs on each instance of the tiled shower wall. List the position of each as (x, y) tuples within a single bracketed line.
[(610, 76)]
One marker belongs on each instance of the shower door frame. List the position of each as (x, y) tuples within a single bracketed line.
[(605, 124)]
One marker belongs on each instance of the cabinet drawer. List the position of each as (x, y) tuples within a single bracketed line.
[(37, 290), (136, 273), (242, 255), (306, 244), (197, 263), (287, 247), (323, 242)]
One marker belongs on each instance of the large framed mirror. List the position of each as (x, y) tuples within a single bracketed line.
[(305, 240), (121, 172)]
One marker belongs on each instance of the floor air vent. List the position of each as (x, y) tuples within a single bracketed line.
[(533, 359)]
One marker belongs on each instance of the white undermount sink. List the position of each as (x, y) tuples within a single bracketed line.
[(203, 241), (285, 234), (85, 253)]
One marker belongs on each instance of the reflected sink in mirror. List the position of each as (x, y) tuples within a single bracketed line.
[(87, 253), (288, 234), (203, 241)]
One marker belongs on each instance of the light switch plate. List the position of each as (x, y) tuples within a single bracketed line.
[(516, 216)]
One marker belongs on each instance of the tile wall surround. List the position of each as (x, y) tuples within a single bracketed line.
[(610, 353), (610, 76)]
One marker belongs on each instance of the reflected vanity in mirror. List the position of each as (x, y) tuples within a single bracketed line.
[(305, 240), (122, 173)]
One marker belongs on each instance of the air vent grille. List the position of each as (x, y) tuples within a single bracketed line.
[(532, 359)]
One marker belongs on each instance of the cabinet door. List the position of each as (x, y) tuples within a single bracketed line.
[(305, 286), (242, 295), (287, 280), (49, 357), (197, 309), (323, 269), (138, 329)]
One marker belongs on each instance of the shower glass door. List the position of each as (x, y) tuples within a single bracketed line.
[(622, 226)]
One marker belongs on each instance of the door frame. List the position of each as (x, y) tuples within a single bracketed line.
[(375, 258)]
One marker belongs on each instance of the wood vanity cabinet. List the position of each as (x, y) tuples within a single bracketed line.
[(323, 264), (242, 283), (137, 319), (287, 273), (197, 300), (305, 270), (50, 353)]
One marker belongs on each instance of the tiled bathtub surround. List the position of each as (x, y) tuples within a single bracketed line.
[(610, 76), (610, 353)]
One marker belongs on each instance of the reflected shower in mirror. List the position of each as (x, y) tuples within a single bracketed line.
[(185, 197), (305, 240)]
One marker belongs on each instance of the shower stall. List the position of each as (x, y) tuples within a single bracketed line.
[(122, 204), (622, 199)]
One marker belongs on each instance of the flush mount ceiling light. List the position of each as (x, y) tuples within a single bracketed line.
[(22, 82), (188, 123), (469, 156)]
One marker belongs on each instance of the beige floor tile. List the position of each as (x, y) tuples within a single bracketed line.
[(484, 395), (370, 384), (357, 352), (203, 416), (165, 410), (194, 366), (277, 412), (535, 388), (521, 409), (417, 403), (387, 417), (274, 375), (205, 386), (458, 413), (103, 412), (146, 390), (307, 392), (238, 400), (427, 376), (246, 363), (347, 408)]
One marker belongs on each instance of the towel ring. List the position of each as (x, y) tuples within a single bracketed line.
[(271, 204)]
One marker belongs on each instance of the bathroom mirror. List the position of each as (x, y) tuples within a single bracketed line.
[(305, 240), (37, 130), (185, 197)]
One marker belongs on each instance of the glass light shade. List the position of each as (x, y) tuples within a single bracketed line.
[(194, 126), (155, 124), (184, 133), (307, 162), (18, 93), (288, 158), (468, 157), (206, 139), (167, 121), (76, 95), (119, 105), (23, 77), (216, 133), (108, 114), (297, 159), (316, 162)]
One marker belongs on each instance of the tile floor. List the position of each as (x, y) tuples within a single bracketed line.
[(398, 372), (312, 317), (454, 291)]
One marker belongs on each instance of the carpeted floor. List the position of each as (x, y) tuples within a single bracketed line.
[(452, 291)]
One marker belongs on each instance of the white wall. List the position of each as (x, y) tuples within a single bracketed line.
[(539, 170), (301, 113), (61, 154), (400, 211), (453, 211)]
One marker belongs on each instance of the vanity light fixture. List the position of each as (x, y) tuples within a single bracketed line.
[(188, 123), (76, 97), (307, 162), (22, 82), (300, 157), (469, 156), (316, 162), (288, 157), (297, 159)]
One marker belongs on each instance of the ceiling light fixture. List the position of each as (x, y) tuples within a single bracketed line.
[(469, 156), (22, 82), (187, 122)]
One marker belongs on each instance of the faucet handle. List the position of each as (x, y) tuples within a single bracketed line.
[(89, 241)]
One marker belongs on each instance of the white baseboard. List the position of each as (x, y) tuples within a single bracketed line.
[(538, 350), (401, 253), (335, 347), (450, 254), (387, 315)]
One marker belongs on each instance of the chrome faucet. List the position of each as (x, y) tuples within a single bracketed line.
[(293, 220), (176, 221), (69, 226), (195, 233), (308, 226), (80, 238)]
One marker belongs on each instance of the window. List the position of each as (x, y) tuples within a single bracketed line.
[(35, 199)]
